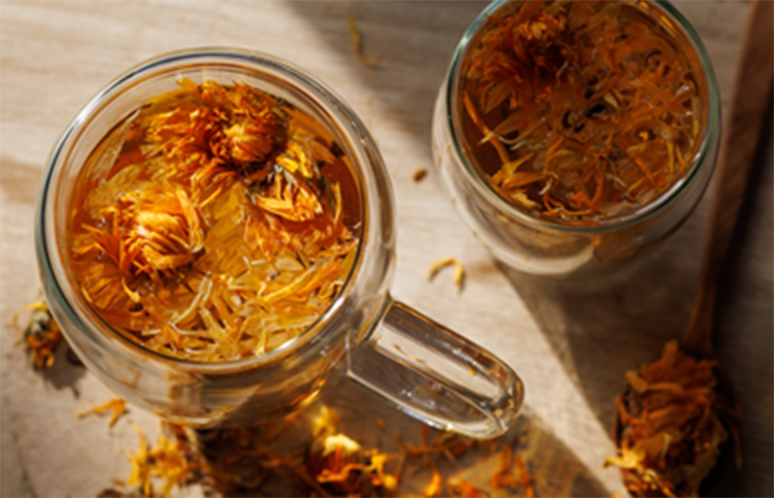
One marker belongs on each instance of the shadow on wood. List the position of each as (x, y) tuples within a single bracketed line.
[(374, 423)]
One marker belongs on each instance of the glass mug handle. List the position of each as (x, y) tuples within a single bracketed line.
[(437, 376)]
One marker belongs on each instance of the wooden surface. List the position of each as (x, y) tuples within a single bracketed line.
[(749, 111), (571, 342)]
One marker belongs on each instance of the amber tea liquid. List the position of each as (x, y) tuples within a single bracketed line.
[(580, 112), (214, 223)]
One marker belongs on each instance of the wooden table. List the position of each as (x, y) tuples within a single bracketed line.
[(571, 342)]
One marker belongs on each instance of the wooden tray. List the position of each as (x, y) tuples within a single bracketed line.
[(570, 342)]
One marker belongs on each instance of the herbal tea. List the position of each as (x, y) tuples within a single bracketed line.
[(580, 112), (214, 223)]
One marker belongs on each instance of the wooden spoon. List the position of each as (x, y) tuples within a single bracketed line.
[(750, 108)]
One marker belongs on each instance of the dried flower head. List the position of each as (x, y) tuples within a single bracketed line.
[(671, 425)]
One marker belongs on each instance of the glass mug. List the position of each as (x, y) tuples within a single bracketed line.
[(548, 247), (423, 368)]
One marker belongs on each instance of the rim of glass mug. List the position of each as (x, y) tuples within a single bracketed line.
[(47, 229), (710, 135)]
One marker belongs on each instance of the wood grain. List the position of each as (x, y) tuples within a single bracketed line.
[(570, 343), (750, 111)]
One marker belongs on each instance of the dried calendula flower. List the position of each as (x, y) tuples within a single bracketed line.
[(42, 334), (239, 126), (580, 111), (154, 229), (215, 223), (671, 425), (341, 465), (169, 460)]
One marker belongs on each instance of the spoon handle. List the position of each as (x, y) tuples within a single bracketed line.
[(749, 109)]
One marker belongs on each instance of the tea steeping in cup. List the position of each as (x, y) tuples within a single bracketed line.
[(574, 135), (214, 223), (216, 240)]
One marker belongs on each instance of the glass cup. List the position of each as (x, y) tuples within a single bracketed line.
[(550, 247), (425, 369)]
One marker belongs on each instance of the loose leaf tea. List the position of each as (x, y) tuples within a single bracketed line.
[(325, 461), (214, 223), (672, 425), (580, 111), (171, 460)]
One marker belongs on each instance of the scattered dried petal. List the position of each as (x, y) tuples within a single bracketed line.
[(435, 488), (512, 473), (357, 43), (116, 405), (459, 270), (42, 334), (170, 460), (239, 460)]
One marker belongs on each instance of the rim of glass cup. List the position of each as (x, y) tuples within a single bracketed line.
[(313, 89), (678, 22)]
